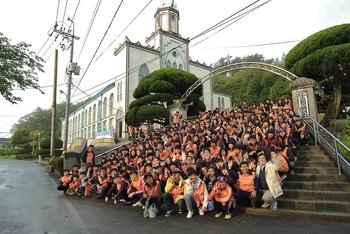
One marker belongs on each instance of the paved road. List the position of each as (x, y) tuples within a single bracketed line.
[(30, 203)]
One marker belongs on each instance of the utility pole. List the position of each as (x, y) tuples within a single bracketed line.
[(53, 119), (71, 68)]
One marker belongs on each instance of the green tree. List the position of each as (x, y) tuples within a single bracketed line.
[(19, 68), (158, 90), (21, 136), (278, 89), (324, 57)]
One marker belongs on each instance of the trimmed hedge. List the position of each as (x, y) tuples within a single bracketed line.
[(46, 153), (57, 164), (46, 143), (12, 151)]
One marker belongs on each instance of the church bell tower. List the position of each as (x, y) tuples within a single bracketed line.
[(167, 17)]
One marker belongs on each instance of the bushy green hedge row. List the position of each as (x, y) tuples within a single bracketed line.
[(46, 153), (57, 164), (12, 151)]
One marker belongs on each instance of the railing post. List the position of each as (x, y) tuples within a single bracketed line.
[(341, 153), (315, 133), (336, 151)]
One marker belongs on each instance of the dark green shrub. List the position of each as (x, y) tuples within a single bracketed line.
[(46, 143), (27, 147), (12, 151), (57, 164)]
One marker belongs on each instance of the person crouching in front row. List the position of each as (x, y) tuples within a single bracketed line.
[(151, 192)]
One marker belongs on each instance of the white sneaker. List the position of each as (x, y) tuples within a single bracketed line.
[(274, 207), (264, 205), (137, 204), (190, 214), (283, 177), (143, 207), (292, 172), (201, 212)]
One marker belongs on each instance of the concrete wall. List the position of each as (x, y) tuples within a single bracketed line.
[(201, 71)]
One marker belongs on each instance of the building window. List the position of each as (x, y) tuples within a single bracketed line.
[(104, 108), (93, 130), (173, 23), (174, 65), (119, 124), (85, 133), (223, 104), (168, 64), (111, 123), (94, 113), (89, 116), (98, 127), (180, 66), (219, 103), (99, 111), (89, 132), (164, 22), (111, 104), (143, 71), (119, 92), (104, 125)]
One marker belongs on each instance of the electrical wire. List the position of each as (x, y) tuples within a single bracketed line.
[(123, 30), (64, 13), (99, 44), (245, 46), (97, 7), (58, 7)]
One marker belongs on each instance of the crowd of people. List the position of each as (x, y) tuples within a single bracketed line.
[(215, 161)]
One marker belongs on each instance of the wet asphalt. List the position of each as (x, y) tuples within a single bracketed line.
[(30, 203)]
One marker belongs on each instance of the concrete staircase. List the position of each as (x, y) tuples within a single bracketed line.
[(315, 191)]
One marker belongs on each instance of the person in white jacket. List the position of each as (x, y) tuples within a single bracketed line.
[(196, 194), (268, 182)]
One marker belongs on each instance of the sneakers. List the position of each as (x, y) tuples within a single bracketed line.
[(99, 197), (274, 207), (126, 203), (170, 212), (143, 207), (137, 204), (83, 197), (79, 194), (201, 212), (219, 215), (121, 200), (189, 214), (283, 177), (292, 172), (180, 211), (71, 193), (264, 205), (229, 216)]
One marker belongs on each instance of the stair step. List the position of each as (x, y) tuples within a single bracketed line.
[(327, 186), (316, 177), (299, 214), (319, 205), (315, 152), (308, 148), (301, 163), (314, 158), (316, 170), (316, 194)]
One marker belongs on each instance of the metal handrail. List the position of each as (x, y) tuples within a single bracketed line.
[(317, 134), (106, 152)]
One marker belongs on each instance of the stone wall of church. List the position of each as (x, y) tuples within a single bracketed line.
[(176, 58), (221, 101)]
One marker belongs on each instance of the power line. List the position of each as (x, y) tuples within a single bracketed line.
[(239, 17), (99, 44), (58, 7), (97, 7), (123, 30), (64, 13), (244, 46)]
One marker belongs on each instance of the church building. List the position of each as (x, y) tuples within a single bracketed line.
[(165, 47)]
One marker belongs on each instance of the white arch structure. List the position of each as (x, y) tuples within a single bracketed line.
[(238, 66)]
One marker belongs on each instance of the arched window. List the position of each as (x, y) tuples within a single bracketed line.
[(79, 121), (168, 64), (180, 66), (104, 108), (89, 122), (99, 111), (174, 65), (143, 71), (118, 92), (223, 104), (111, 104), (173, 23), (164, 22), (219, 103), (94, 113), (76, 123), (85, 118)]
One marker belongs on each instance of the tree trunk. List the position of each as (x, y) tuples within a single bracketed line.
[(334, 102)]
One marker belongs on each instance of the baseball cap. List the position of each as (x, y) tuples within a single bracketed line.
[(222, 179)]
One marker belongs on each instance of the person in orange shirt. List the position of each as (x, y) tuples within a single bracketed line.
[(64, 181), (248, 186), (151, 193), (74, 185), (176, 118), (214, 149), (88, 156), (223, 198)]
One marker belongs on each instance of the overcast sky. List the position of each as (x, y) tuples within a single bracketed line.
[(30, 21)]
